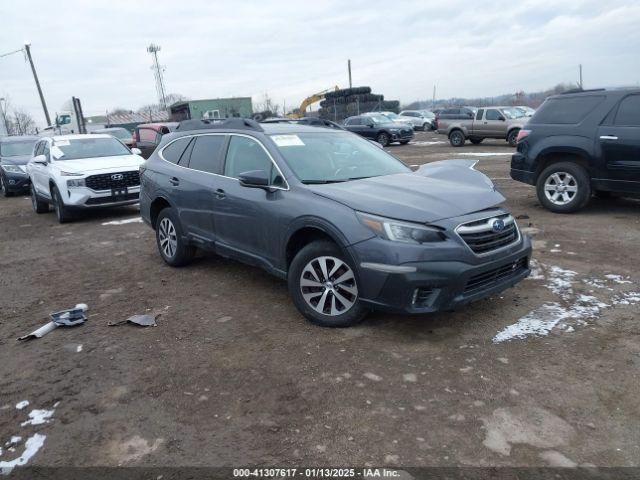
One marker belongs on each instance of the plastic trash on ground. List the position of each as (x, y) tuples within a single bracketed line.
[(65, 318)]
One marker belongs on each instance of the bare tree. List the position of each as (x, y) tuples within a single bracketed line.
[(20, 122), (267, 105), (156, 107)]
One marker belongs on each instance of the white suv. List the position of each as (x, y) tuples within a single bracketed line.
[(74, 172)]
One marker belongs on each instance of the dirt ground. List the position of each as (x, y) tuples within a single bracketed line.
[(544, 374)]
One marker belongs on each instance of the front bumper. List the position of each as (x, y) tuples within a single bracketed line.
[(16, 182), (85, 198), (436, 284), (403, 135)]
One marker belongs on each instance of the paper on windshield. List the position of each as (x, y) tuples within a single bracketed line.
[(57, 152), (287, 140), (62, 143)]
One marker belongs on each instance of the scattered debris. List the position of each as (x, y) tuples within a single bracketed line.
[(142, 320), (65, 318), (373, 377), (22, 404), (125, 221)]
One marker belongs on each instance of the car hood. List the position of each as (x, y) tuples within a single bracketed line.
[(436, 191), (17, 160), (101, 164)]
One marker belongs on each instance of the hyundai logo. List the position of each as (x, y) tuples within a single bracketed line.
[(497, 224), (117, 176)]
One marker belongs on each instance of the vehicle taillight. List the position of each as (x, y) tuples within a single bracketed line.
[(522, 134)]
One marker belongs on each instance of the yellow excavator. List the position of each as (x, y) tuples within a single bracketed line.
[(311, 99)]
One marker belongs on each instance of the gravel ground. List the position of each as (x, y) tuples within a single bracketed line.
[(544, 374)]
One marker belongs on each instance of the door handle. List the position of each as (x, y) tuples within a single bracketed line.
[(219, 193), (174, 181), (486, 123), (608, 137)]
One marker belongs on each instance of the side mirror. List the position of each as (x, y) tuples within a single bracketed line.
[(502, 119), (136, 151), (254, 179), (370, 125), (40, 160)]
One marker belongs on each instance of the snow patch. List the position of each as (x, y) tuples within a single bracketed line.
[(484, 154), (38, 417), (32, 445), (425, 144), (22, 404), (125, 221), (617, 279)]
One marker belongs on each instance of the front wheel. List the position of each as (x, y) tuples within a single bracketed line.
[(512, 138), (564, 187), (170, 239), (3, 187), (383, 139), (62, 213), (38, 205), (324, 287), (456, 138)]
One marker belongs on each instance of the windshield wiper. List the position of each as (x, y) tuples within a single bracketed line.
[(320, 182)]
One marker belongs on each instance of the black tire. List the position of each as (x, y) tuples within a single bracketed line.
[(512, 137), (178, 253), (39, 206), (476, 141), (3, 187), (426, 127), (580, 180), (383, 139), (63, 214), (314, 252), (456, 138)]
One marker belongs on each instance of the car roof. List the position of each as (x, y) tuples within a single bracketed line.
[(79, 136), (158, 125), (19, 138), (108, 129)]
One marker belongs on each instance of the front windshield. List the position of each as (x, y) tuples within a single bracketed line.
[(512, 112), (16, 149), (428, 114), (380, 119), (88, 148), (327, 157), (391, 115)]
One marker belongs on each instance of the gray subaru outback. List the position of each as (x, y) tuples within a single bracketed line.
[(346, 224)]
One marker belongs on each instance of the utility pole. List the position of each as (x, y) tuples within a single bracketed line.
[(433, 101), (4, 127), (157, 72), (27, 49), (580, 70), (349, 68)]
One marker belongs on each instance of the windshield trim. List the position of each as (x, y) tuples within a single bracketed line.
[(2, 154), (62, 159)]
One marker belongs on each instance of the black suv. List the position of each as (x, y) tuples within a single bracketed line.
[(380, 129), (349, 226), (578, 144)]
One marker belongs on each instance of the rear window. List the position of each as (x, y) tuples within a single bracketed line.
[(567, 110)]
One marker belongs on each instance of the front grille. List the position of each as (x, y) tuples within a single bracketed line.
[(485, 280), (104, 181), (112, 199), (485, 236)]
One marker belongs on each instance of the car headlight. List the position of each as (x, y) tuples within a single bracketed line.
[(76, 182), (14, 169), (398, 231), (394, 130)]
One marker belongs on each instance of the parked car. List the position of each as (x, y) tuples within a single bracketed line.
[(311, 121), (526, 111), (15, 153), (459, 113), (146, 136), (350, 227), (581, 144), (394, 117), (489, 122), (380, 129), (83, 172), (420, 119), (120, 133)]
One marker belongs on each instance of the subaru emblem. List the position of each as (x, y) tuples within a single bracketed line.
[(497, 224), (117, 176)]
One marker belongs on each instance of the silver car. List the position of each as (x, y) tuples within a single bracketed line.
[(420, 119)]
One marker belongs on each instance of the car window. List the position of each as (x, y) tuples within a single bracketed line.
[(173, 151), (14, 149), (206, 153), (493, 114), (46, 151), (566, 110), (479, 114), (246, 154), (353, 121), (629, 112), (147, 135), (38, 150)]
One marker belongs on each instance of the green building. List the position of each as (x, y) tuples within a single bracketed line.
[(212, 108)]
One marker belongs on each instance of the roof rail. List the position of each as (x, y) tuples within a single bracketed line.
[(580, 90), (229, 123)]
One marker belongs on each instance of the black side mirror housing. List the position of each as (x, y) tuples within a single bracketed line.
[(254, 179)]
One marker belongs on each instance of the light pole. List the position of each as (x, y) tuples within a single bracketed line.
[(4, 126)]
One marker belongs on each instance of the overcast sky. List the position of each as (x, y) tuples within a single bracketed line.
[(290, 49)]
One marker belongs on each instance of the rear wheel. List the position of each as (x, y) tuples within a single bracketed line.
[(512, 138), (383, 139), (38, 205), (62, 213), (564, 187), (170, 239), (456, 138), (324, 287)]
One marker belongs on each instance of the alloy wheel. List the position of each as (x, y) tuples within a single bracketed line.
[(328, 286), (560, 188), (168, 237)]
